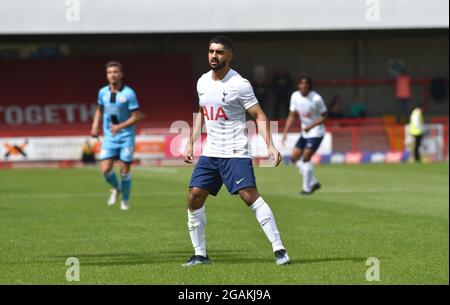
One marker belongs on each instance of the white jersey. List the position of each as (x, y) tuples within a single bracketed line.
[(309, 108), (224, 104)]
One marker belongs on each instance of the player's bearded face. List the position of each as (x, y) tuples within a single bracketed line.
[(218, 56), (114, 75)]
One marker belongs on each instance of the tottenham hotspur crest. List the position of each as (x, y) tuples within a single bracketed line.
[(224, 95)]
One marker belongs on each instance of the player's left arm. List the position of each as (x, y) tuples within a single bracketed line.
[(133, 119), (319, 121), (264, 128), (250, 103), (133, 107), (322, 108)]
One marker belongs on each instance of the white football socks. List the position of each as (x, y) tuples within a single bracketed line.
[(267, 221), (306, 169), (196, 226)]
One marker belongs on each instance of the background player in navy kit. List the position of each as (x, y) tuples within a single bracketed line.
[(309, 106), (224, 98), (119, 109)]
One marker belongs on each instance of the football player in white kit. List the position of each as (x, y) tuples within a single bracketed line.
[(224, 97), (309, 106)]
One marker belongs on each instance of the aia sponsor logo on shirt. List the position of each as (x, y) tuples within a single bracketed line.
[(212, 114), (305, 114)]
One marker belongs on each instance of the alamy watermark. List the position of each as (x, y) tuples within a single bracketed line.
[(373, 10), (73, 10), (73, 272), (373, 272)]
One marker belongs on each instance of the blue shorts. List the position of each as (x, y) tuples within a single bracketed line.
[(310, 143), (236, 173), (118, 149)]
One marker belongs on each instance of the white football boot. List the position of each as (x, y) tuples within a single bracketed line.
[(113, 197), (124, 206)]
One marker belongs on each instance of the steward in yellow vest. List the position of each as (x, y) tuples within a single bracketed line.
[(417, 130)]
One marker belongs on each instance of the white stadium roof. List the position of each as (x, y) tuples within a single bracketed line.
[(175, 16)]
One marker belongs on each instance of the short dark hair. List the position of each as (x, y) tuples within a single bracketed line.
[(114, 63), (223, 40), (308, 80)]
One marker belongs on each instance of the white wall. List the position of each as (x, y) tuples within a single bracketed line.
[(156, 16)]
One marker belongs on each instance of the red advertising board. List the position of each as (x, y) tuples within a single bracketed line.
[(55, 92)]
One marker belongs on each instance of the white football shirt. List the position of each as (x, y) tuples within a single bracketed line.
[(224, 104), (309, 108)]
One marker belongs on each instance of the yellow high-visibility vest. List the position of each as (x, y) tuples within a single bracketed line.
[(416, 123)]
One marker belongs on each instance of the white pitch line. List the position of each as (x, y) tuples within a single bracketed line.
[(170, 194), (164, 170), (85, 195)]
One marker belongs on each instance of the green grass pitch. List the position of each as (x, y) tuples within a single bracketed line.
[(397, 213)]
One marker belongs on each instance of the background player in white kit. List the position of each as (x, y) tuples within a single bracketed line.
[(309, 106), (224, 98)]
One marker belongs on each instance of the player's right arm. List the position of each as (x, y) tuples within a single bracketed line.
[(292, 116), (195, 133), (97, 116), (96, 122)]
